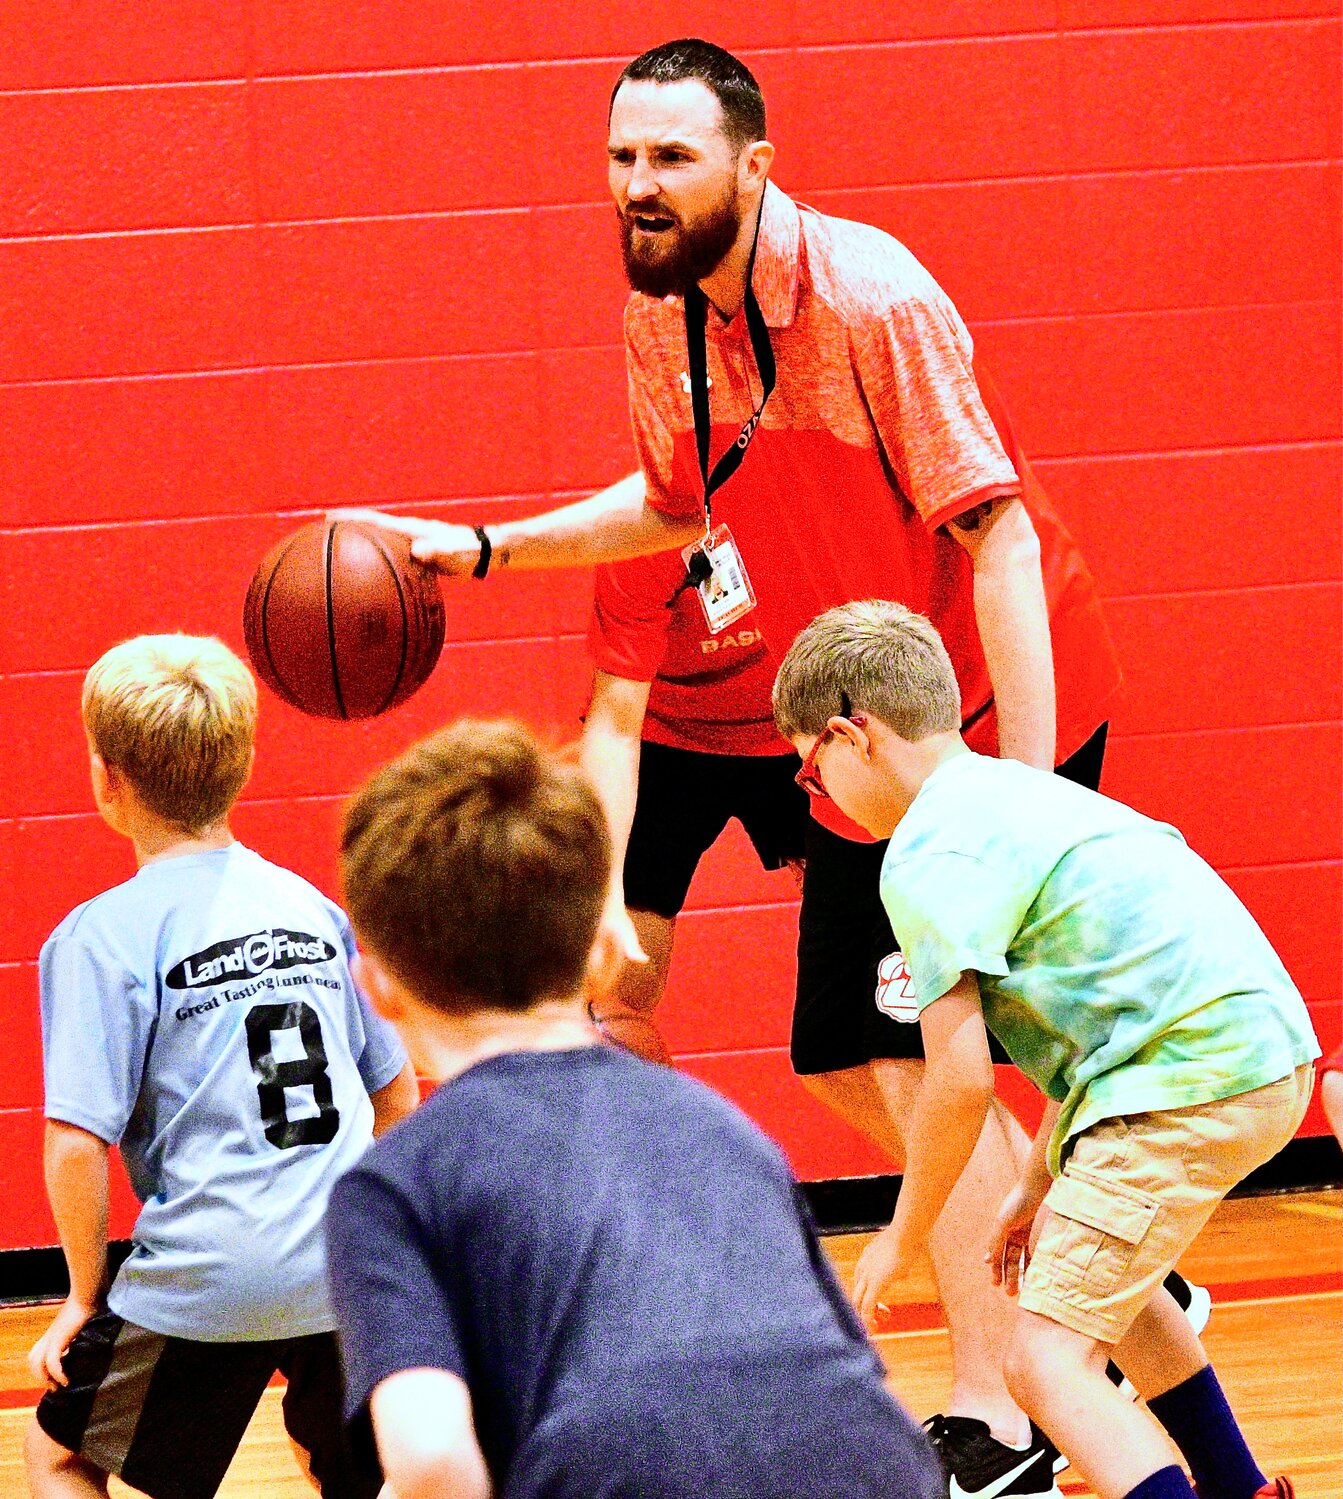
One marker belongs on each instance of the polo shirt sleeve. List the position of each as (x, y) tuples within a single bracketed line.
[(394, 1312), (914, 367), (652, 393), (952, 914), (631, 617), (98, 1020)]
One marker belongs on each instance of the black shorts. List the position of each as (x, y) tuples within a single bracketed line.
[(166, 1414), (843, 937), (686, 798)]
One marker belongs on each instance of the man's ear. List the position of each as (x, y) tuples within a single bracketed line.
[(383, 991), (754, 163)]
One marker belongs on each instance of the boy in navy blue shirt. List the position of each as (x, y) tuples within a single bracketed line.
[(572, 1273)]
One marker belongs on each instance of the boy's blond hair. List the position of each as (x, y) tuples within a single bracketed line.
[(475, 867), (873, 657), (176, 715)]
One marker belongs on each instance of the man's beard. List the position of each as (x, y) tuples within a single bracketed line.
[(683, 254)]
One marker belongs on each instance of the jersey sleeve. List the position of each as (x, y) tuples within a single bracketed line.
[(952, 914), (382, 1056), (98, 1021), (914, 367), (631, 615), (393, 1309)]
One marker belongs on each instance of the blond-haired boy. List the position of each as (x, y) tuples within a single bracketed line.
[(201, 1016), (572, 1273), (1125, 979)]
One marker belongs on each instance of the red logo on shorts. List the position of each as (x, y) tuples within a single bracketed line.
[(895, 989)]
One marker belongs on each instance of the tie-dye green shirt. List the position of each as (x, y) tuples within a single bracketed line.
[(1117, 969)]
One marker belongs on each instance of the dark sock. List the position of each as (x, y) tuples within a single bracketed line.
[(1178, 1286), (1165, 1483), (1201, 1425)]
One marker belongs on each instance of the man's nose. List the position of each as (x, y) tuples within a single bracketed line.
[(642, 183)]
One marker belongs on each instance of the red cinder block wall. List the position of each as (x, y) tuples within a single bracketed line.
[(258, 257)]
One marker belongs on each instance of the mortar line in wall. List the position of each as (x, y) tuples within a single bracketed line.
[(1302, 443), (499, 210), (296, 511), (1123, 735), (1026, 320), (1057, 33), (1165, 595)]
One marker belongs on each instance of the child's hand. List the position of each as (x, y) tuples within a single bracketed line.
[(1009, 1249), (44, 1358), (880, 1265)]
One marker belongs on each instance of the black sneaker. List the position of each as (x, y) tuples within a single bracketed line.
[(978, 1466)]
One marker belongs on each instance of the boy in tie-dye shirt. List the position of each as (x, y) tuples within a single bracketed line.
[(1125, 979)]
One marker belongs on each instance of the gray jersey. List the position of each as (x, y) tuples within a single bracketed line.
[(203, 1017)]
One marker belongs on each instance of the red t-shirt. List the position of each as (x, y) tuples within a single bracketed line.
[(877, 434), (711, 693)]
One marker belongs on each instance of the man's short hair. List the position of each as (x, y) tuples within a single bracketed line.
[(475, 868), (175, 715), (729, 80), (873, 657)]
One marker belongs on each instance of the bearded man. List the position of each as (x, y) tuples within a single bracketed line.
[(811, 431)]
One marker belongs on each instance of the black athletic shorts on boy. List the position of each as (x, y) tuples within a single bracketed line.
[(843, 937), (685, 800), (166, 1414)]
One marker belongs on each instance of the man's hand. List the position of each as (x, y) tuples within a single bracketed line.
[(879, 1267), (453, 550), (617, 923), (1009, 1250), (44, 1358)]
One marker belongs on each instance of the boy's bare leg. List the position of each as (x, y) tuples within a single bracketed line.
[(1161, 1349), (878, 1099), (54, 1472), (1058, 1375), (625, 1015)]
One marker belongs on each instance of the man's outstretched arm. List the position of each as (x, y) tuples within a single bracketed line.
[(615, 523)]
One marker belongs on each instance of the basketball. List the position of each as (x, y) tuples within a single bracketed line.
[(342, 622)]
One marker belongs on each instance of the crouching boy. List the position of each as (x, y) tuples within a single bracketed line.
[(201, 1015), (1125, 979), (572, 1273)]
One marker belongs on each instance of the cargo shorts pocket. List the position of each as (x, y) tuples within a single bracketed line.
[(1103, 1224)]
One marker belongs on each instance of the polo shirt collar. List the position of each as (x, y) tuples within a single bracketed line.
[(778, 258)]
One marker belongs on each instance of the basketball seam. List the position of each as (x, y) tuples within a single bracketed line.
[(405, 624), (331, 618), (265, 609)]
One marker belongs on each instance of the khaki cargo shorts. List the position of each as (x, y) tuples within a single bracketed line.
[(1134, 1195)]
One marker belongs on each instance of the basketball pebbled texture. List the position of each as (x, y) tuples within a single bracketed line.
[(341, 621)]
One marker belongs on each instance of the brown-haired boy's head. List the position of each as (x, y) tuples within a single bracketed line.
[(475, 869)]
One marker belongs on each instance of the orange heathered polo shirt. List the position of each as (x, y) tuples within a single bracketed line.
[(876, 435)]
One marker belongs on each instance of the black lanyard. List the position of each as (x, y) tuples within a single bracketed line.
[(696, 310)]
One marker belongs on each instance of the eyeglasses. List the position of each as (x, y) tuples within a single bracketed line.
[(809, 777)]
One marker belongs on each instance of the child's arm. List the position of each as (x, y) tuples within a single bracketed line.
[(394, 1101), (75, 1163), (1009, 1243), (426, 1437), (945, 1125)]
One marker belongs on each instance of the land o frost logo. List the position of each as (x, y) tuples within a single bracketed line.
[(245, 957)]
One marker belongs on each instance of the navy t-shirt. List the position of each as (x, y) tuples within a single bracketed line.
[(619, 1266)]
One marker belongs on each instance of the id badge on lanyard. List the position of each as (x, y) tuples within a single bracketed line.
[(725, 594), (713, 563)]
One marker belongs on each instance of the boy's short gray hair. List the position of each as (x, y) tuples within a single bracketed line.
[(872, 657)]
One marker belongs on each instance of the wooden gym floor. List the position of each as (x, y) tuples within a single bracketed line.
[(1274, 1266)]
